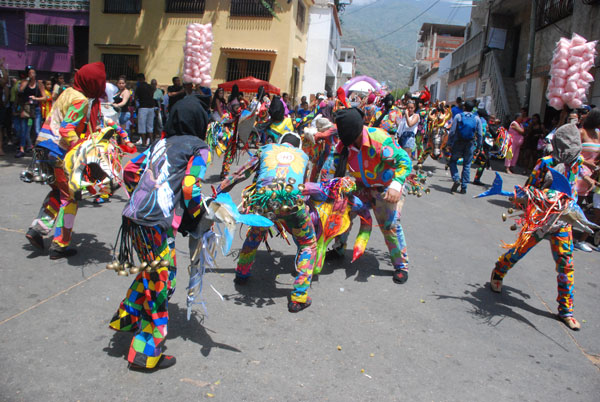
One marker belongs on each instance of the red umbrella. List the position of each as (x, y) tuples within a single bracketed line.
[(250, 84)]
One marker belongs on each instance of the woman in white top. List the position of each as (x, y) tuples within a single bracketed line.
[(407, 130)]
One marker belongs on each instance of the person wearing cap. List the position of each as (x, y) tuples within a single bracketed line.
[(278, 122), (62, 129), (566, 158), (164, 184), (380, 168), (280, 174)]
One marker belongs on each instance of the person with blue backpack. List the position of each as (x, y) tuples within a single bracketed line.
[(466, 135)]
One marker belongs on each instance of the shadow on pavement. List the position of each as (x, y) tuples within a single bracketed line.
[(488, 306), (179, 327), (262, 287), (363, 268), (501, 203)]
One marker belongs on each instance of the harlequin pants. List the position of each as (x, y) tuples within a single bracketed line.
[(388, 218), (561, 244), (229, 155), (58, 210), (145, 308), (300, 226)]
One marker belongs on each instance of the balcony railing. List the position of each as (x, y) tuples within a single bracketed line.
[(550, 11), (250, 8), (467, 50), (71, 5), (122, 6), (185, 6)]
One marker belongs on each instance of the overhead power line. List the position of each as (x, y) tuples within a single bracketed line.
[(403, 26)]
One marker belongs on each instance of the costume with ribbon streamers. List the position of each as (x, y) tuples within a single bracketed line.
[(379, 164), (65, 124), (276, 193)]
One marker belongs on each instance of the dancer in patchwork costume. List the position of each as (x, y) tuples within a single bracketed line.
[(566, 158), (165, 184), (276, 193), (380, 168), (63, 128)]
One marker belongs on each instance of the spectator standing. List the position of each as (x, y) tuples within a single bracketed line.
[(157, 95), (458, 108), (4, 105), (145, 113), (59, 87), (218, 105), (121, 104), (407, 128), (516, 131), (466, 134), (46, 104), (175, 92), (31, 96)]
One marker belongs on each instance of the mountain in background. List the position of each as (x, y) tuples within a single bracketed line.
[(379, 58)]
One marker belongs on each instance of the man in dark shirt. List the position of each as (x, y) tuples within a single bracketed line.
[(144, 95), (175, 92)]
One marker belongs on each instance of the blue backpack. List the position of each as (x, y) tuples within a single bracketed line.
[(467, 126)]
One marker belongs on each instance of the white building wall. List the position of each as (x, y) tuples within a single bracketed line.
[(317, 49)]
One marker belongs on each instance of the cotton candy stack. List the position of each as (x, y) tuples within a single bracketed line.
[(197, 53), (571, 79)]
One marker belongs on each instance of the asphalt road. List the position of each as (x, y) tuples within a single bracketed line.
[(442, 336)]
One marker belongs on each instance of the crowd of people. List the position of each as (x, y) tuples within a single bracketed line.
[(352, 152)]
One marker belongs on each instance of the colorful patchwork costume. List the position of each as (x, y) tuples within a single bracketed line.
[(62, 129), (165, 184), (566, 155), (276, 193), (378, 165)]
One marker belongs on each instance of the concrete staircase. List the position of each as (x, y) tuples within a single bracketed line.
[(512, 96)]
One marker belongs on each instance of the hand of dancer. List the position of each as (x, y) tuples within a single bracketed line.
[(392, 195)]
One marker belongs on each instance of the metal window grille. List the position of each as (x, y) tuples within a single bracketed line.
[(121, 64), (551, 11), (48, 35), (3, 34), (301, 15), (250, 8), (122, 6), (241, 68), (185, 6)]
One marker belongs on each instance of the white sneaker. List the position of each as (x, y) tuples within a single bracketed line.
[(583, 246)]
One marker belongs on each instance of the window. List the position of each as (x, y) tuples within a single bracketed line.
[(551, 11), (471, 89), (250, 8), (121, 64), (301, 15), (122, 6), (48, 35), (185, 6), (3, 34), (241, 68)]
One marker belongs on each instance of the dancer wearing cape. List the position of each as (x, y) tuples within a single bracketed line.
[(164, 183)]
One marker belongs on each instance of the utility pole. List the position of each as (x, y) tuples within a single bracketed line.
[(529, 71)]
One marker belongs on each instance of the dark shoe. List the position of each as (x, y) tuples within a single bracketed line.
[(19, 154), (62, 252), (35, 239), (455, 187), (333, 254), (240, 280), (295, 307), (478, 183), (463, 190), (165, 361), (400, 276)]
